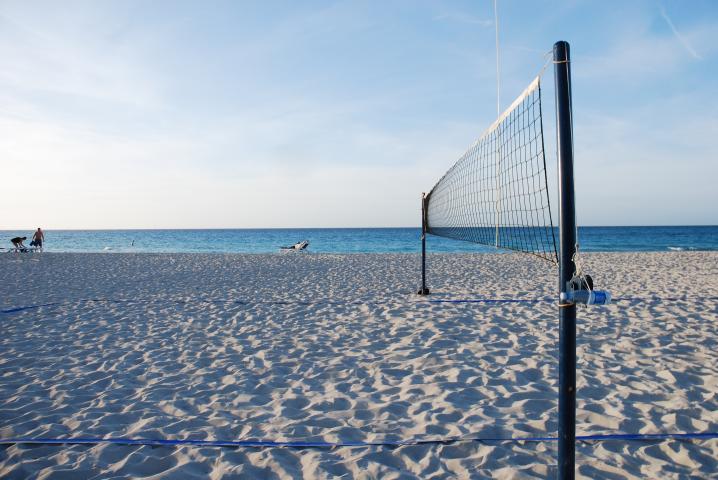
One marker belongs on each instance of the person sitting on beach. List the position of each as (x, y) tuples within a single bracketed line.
[(17, 243), (37, 239)]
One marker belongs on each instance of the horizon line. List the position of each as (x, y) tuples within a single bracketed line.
[(4, 229)]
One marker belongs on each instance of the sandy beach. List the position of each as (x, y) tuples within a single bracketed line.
[(338, 348)]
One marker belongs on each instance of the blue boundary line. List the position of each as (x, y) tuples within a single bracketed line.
[(495, 300), (550, 300), (29, 307), (298, 302), (318, 444)]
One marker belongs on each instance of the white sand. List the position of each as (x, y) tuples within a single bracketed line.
[(337, 348)]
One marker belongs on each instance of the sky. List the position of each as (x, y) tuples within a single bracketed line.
[(238, 114)]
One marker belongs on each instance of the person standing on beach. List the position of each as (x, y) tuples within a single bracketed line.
[(37, 238)]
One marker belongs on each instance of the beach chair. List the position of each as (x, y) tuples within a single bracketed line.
[(297, 246)]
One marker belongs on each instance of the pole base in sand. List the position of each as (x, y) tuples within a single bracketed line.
[(423, 291)]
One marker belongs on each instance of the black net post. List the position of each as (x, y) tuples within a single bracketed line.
[(567, 249), (424, 290)]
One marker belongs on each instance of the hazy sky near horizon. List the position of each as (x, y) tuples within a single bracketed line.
[(178, 114)]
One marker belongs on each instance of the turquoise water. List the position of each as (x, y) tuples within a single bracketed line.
[(352, 240)]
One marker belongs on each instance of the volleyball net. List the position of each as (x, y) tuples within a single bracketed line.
[(496, 194)]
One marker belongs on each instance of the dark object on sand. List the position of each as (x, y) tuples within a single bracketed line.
[(297, 246)]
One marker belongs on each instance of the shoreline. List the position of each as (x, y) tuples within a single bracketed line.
[(356, 240), (309, 253)]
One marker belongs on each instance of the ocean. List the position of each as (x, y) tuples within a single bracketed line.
[(351, 240)]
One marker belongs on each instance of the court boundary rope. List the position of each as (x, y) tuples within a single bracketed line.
[(156, 442), (17, 309)]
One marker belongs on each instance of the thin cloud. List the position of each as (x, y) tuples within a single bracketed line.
[(464, 18), (680, 37)]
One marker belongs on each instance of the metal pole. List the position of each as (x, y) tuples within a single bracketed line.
[(567, 245), (423, 290), (497, 203)]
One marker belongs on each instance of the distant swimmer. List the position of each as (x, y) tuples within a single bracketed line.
[(17, 243), (297, 246), (37, 239)]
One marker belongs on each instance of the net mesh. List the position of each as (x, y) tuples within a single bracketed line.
[(497, 192)]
